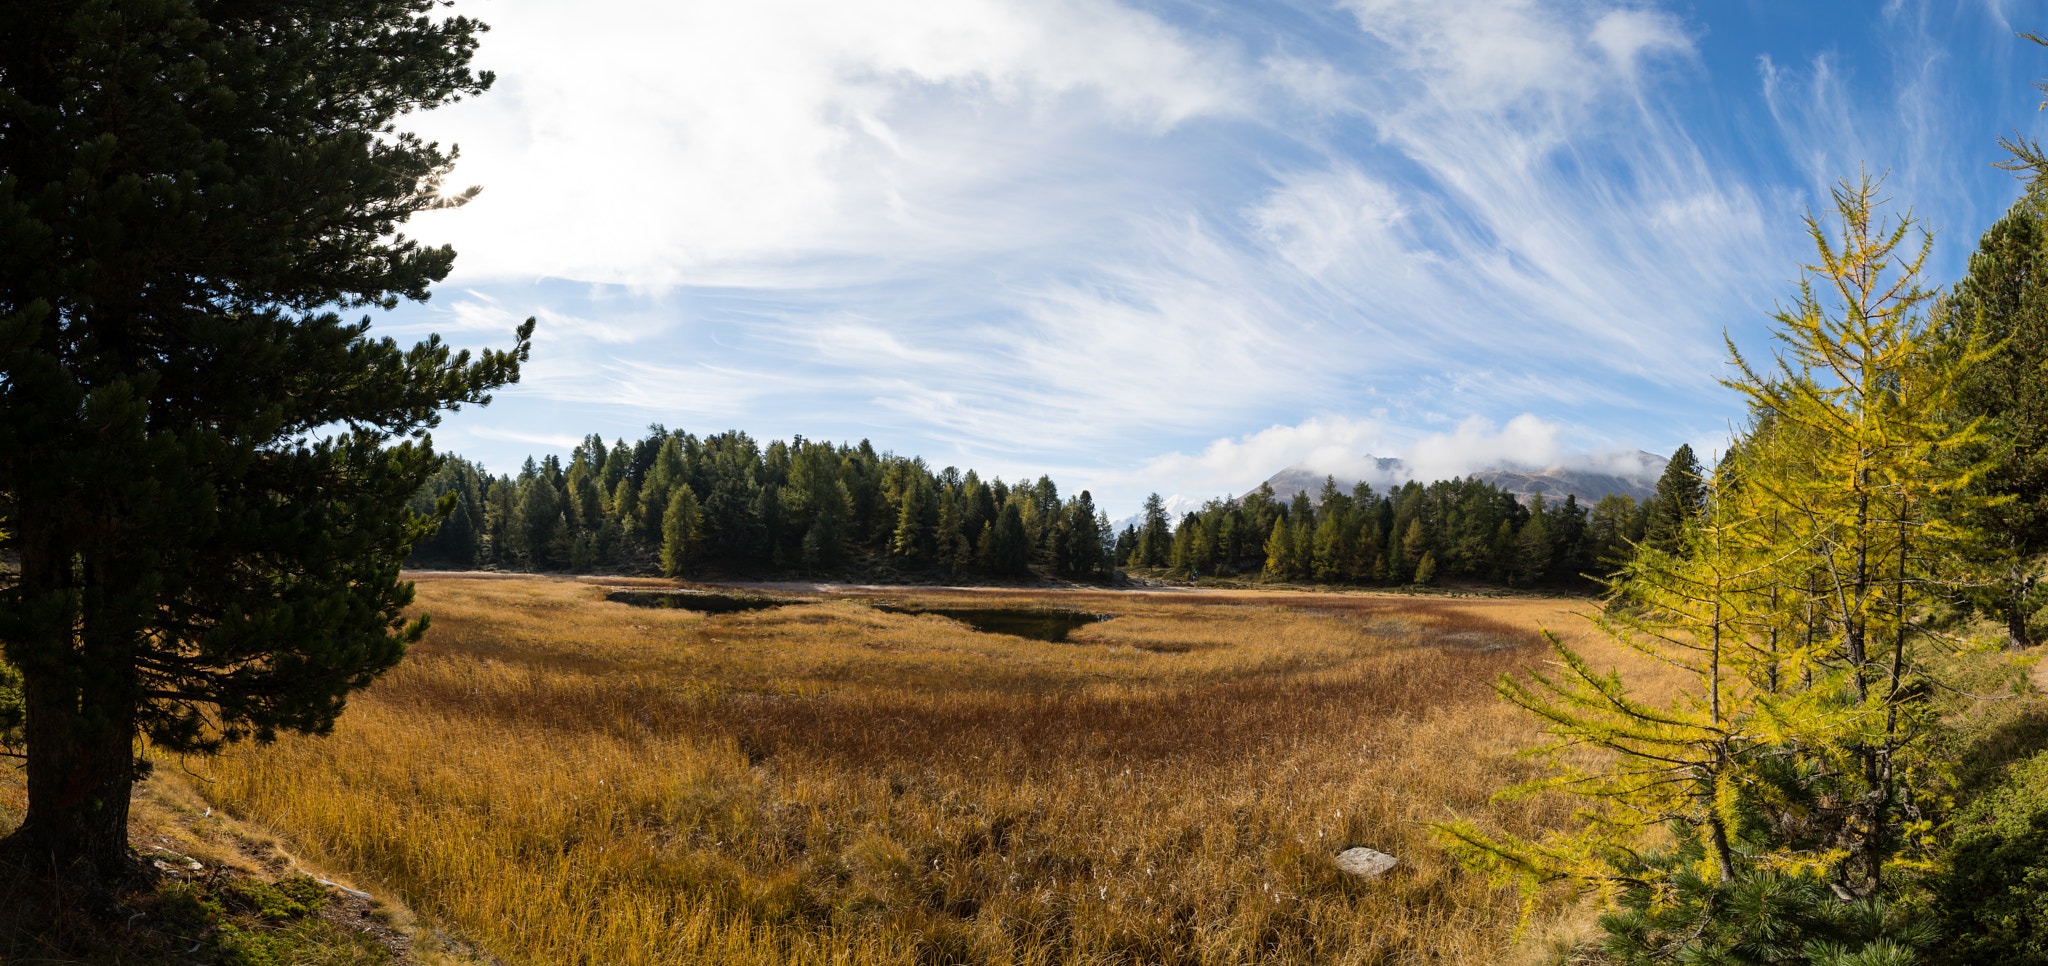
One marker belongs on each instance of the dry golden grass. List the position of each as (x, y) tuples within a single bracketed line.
[(569, 780)]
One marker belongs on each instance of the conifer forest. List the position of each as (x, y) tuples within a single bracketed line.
[(677, 504)]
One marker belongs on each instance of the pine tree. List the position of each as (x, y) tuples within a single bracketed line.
[(2003, 302), (954, 551), (1610, 536), (821, 544), (1680, 493), (1155, 541), (1280, 550), (1533, 545), (1414, 543), (771, 530), (536, 510), (910, 538), (1333, 543), (682, 530), (627, 499), (207, 470), (1301, 560), (1010, 550), (1084, 538)]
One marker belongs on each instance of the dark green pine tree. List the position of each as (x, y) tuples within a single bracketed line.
[(2004, 300), (1155, 540), (535, 513), (1681, 492), (204, 471), (1010, 544), (682, 530), (1279, 549), (1534, 545), (1083, 549), (955, 552), (911, 537)]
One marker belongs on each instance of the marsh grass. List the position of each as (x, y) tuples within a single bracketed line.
[(571, 780)]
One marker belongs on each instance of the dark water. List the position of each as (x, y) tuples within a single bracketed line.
[(701, 603), (1039, 625)]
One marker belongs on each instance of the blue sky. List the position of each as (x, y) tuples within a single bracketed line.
[(1176, 246)]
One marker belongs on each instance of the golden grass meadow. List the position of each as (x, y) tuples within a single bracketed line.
[(566, 779)]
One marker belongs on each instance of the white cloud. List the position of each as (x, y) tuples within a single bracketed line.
[(1319, 218), (1493, 55), (1332, 444), (652, 143), (1476, 444), (551, 440), (1627, 36)]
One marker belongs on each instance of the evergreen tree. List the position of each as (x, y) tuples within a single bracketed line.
[(535, 513), (1280, 550), (771, 531), (910, 539), (821, 544), (1182, 556), (1010, 550), (1155, 541), (985, 547), (1414, 543), (584, 506), (1302, 546), (627, 500), (1084, 538), (954, 550), (1680, 494), (208, 474), (1533, 545), (682, 530), (1610, 532), (618, 465), (1334, 535), (2003, 302)]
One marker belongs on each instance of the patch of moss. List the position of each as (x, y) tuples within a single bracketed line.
[(227, 921)]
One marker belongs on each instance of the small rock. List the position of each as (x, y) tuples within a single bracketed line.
[(343, 888), (167, 859), (1366, 863)]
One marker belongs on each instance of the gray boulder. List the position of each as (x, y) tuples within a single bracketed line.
[(1365, 863)]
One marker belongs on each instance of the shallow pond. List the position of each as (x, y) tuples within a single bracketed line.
[(701, 603), (1037, 624)]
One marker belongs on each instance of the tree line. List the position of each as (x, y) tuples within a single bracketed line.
[(1464, 528), (677, 502)]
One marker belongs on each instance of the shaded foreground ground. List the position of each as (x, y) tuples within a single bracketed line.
[(565, 779)]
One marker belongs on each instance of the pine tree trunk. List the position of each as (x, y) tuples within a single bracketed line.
[(80, 729), (2017, 636), (80, 775)]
